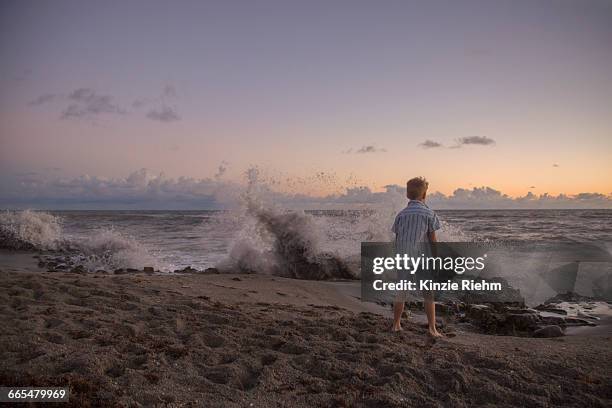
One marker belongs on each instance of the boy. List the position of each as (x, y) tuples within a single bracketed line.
[(414, 225)]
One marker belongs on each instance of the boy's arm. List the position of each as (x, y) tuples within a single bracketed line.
[(432, 241)]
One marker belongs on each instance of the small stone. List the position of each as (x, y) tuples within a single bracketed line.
[(187, 269), (148, 269), (549, 331)]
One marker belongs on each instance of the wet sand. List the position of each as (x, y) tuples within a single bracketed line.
[(263, 341)]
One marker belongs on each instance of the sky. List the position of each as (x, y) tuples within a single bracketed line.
[(324, 98)]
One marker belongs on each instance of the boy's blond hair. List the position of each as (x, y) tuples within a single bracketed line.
[(416, 187)]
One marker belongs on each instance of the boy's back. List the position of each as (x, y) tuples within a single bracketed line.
[(414, 224)]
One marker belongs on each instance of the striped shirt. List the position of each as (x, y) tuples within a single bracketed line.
[(413, 225)]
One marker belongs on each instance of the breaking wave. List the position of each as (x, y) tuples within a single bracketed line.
[(103, 248), (30, 230), (289, 247), (109, 249)]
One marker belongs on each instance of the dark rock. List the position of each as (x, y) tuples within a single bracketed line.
[(132, 270), (521, 310), (574, 321), (522, 322), (237, 279), (120, 271), (442, 308), (551, 309), (478, 312), (549, 331), (211, 270), (80, 269), (9, 240), (148, 269), (553, 320), (568, 297), (187, 269)]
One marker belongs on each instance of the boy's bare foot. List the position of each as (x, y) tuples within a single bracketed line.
[(396, 328), (433, 332)]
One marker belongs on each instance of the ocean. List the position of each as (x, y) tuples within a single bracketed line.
[(171, 240)]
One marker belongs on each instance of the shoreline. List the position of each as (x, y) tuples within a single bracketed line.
[(236, 340)]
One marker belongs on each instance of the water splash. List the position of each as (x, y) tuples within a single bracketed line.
[(283, 243), (30, 230), (103, 248), (108, 249)]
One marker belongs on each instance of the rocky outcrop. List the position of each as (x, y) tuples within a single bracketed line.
[(549, 331)]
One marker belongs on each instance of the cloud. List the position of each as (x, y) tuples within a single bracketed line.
[(82, 103), (590, 196), (140, 189), (145, 190), (164, 114), (168, 92), (470, 140), (87, 103), (475, 140), (369, 149), (430, 144), (42, 99)]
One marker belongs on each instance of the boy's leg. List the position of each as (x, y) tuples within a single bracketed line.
[(430, 311), (398, 309)]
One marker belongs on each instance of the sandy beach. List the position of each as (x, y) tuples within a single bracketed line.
[(236, 340)]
